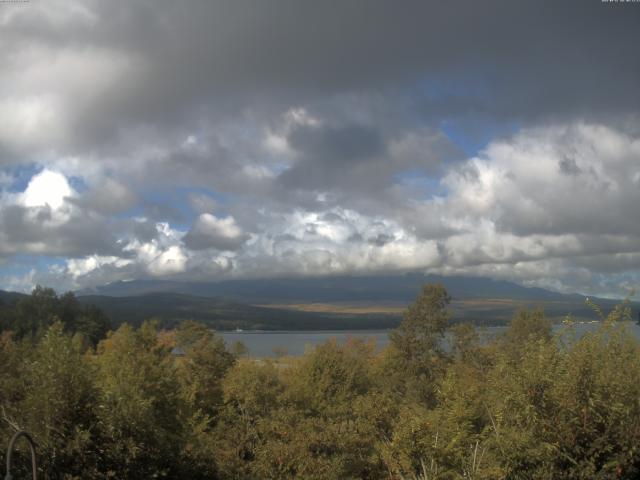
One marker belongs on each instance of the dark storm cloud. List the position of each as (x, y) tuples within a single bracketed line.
[(502, 58), (320, 46), (358, 163), (328, 155), (35, 230), (343, 145)]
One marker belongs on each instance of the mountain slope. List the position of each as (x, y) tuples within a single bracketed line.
[(172, 308), (345, 302), (10, 297), (320, 303), (379, 288)]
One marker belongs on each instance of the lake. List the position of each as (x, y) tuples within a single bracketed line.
[(266, 343)]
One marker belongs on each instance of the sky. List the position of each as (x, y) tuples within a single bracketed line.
[(214, 140)]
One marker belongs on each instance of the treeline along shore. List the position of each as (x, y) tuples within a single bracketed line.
[(147, 402)]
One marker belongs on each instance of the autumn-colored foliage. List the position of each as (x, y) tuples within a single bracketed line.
[(437, 403)]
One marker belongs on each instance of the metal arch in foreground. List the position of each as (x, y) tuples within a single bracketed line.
[(12, 442)]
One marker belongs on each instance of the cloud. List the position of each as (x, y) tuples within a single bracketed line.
[(202, 203), (349, 162), (39, 230), (341, 145), (47, 188), (208, 231), (327, 139), (511, 212), (522, 186), (517, 214), (50, 218), (80, 76), (109, 196)]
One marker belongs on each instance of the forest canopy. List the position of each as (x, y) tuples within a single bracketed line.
[(32, 315)]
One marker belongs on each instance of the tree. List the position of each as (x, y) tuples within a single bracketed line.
[(424, 324), (330, 378), (33, 315), (139, 408), (205, 363), (464, 341), (251, 395), (526, 327), (58, 405), (87, 320), (416, 357)]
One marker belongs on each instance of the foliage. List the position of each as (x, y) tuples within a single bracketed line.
[(32, 315), (416, 358), (438, 403)]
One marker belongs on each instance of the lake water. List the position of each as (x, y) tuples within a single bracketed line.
[(266, 344)]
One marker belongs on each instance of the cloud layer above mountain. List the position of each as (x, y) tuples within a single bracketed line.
[(215, 140)]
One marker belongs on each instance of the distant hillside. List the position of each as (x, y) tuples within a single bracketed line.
[(10, 297), (380, 288), (172, 308), (330, 303), (345, 302)]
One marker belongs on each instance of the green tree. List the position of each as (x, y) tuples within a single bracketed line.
[(139, 406), (203, 366), (464, 341), (58, 405), (526, 327), (33, 315), (87, 320), (252, 393), (329, 379), (416, 358)]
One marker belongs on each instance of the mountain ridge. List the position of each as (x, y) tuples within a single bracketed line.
[(321, 303), (380, 288)]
